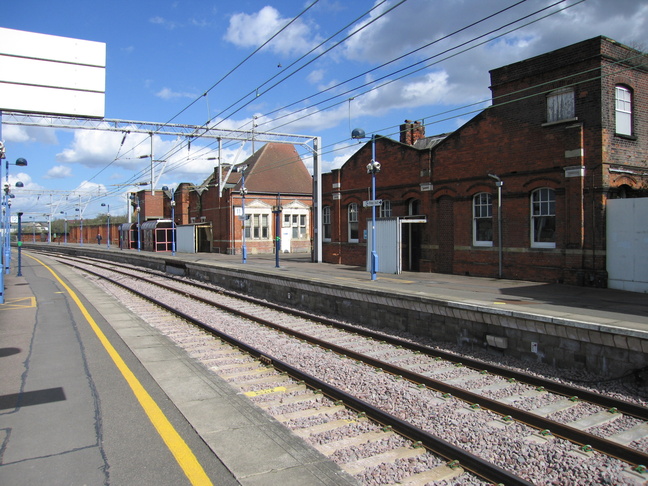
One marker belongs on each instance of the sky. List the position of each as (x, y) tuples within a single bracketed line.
[(314, 68)]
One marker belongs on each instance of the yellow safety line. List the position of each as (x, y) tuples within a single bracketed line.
[(178, 447)]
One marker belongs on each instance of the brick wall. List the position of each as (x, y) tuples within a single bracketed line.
[(398, 182), (580, 158)]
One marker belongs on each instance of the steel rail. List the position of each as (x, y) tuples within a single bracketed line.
[(468, 461), (619, 451), (627, 408)]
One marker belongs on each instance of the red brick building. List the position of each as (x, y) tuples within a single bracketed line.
[(278, 189), (566, 131)]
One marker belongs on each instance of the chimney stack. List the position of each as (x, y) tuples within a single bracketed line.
[(411, 131)]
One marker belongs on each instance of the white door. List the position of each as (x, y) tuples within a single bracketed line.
[(388, 241), (627, 244), (286, 238)]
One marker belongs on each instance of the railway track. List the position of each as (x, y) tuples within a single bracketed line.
[(478, 389)]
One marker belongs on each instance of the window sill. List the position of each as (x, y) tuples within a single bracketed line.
[(626, 137), (483, 244), (543, 246), (559, 122)]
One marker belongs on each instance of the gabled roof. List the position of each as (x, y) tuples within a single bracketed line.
[(276, 168)]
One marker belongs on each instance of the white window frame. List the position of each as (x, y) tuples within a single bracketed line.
[(543, 206), (257, 225), (353, 216), (622, 110), (482, 210), (326, 223), (561, 105), (385, 209)]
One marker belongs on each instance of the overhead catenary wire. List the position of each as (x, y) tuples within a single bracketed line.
[(169, 154), (258, 93), (512, 95), (437, 115), (499, 103), (225, 76), (400, 57), (373, 82), (346, 93)]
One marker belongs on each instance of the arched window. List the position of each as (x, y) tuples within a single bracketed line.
[(543, 218), (483, 219), (413, 207), (623, 110), (353, 222), (326, 223)]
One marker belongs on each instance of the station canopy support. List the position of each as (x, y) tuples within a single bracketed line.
[(190, 132)]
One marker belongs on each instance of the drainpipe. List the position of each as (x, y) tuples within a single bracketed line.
[(499, 183)]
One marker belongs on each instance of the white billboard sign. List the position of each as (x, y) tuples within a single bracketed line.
[(47, 74)]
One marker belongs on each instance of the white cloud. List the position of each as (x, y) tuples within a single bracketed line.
[(58, 172), (342, 152), (168, 94), (169, 24), (252, 30), (97, 149), (315, 76), (25, 134), (467, 68), (18, 177)]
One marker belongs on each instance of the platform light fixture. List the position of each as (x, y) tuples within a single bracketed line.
[(373, 167), (108, 225), (242, 169)]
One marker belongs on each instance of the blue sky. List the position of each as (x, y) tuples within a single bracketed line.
[(162, 56)]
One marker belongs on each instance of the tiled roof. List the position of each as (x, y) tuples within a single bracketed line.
[(275, 168)]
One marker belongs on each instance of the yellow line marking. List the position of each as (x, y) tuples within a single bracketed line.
[(19, 303), (178, 447), (397, 280), (265, 392)]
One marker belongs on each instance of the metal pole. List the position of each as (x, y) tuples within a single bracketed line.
[(49, 223), (7, 225), (374, 255), (65, 236), (173, 236), (499, 183), (499, 225), (81, 220), (277, 212), (19, 274), (243, 249), (317, 194), (152, 176), (108, 235), (139, 227), (2, 156)]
